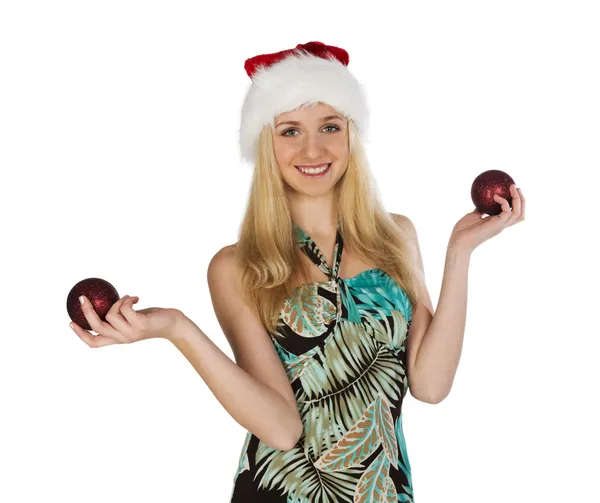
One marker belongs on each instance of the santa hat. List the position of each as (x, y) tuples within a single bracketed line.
[(283, 81)]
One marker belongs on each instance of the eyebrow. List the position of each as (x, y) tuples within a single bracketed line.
[(296, 123)]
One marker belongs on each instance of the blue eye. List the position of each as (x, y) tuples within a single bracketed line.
[(293, 129)]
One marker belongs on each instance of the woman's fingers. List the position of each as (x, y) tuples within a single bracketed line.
[(516, 204), (506, 213), (522, 217), (517, 214), (117, 320), (94, 320), (93, 341), (127, 311), (107, 334)]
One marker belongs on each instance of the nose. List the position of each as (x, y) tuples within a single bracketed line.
[(313, 146)]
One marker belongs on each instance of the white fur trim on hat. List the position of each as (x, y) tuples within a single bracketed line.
[(299, 79)]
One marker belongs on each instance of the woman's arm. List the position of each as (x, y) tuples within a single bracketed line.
[(254, 405)]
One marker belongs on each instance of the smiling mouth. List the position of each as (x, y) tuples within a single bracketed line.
[(314, 172)]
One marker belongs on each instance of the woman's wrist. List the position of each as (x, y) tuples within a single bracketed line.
[(180, 327)]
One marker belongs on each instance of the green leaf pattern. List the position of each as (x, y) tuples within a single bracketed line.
[(349, 391), (308, 314)]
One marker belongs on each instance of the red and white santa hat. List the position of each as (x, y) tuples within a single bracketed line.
[(285, 80)]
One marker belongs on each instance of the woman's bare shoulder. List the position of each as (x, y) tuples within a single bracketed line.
[(399, 219), (225, 256)]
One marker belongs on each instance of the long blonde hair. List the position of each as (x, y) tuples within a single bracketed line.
[(267, 250)]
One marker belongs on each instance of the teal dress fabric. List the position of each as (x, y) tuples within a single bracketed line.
[(342, 343)]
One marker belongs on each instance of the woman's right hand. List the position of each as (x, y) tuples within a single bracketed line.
[(124, 325)]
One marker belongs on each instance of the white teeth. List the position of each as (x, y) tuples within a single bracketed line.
[(314, 170)]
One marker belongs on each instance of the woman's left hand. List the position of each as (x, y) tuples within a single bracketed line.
[(125, 325), (472, 230)]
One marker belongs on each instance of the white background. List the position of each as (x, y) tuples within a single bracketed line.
[(119, 158)]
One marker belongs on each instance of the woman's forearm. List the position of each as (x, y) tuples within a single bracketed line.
[(256, 407), (439, 353)]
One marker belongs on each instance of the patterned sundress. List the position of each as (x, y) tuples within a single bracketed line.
[(343, 347)]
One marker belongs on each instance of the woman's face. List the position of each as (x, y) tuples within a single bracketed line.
[(320, 136)]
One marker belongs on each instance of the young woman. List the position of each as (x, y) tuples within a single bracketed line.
[(322, 299)]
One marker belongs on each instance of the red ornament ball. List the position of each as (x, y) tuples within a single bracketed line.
[(100, 293), (486, 185)]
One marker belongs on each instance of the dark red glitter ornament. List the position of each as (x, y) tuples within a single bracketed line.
[(486, 185), (100, 293)]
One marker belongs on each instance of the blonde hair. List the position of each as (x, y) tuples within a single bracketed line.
[(267, 250)]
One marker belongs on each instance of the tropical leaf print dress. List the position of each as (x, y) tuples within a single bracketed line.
[(342, 343)]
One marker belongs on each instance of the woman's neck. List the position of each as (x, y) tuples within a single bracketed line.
[(318, 217)]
